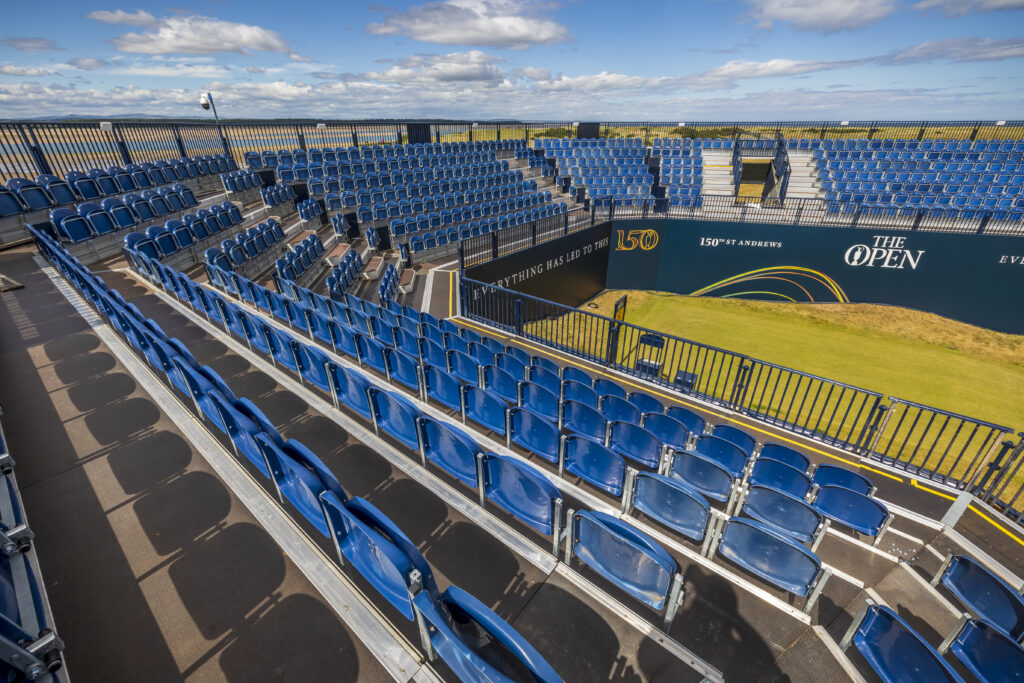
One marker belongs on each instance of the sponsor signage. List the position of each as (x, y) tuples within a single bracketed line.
[(968, 277)]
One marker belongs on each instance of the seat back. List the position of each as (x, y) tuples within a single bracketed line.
[(539, 400), (616, 408), (706, 476), (582, 419), (593, 462), (988, 653), (765, 552), (349, 389), (831, 475), (778, 475), (785, 513), (521, 491), (533, 432), (484, 408), (688, 418), (985, 594), (395, 415), (449, 448), (627, 557), (635, 443), (896, 652), (851, 509), (669, 430), (672, 503), (736, 436), (784, 454), (725, 453)]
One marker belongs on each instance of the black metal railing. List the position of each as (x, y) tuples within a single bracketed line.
[(28, 148), (952, 449)]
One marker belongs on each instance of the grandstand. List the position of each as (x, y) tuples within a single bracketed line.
[(282, 421)]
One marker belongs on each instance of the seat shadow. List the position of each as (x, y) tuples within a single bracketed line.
[(117, 423), (170, 523), (81, 367), (101, 391), (224, 577), (71, 345), (143, 463)]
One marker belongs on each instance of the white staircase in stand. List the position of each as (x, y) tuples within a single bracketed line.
[(803, 178), (718, 172)]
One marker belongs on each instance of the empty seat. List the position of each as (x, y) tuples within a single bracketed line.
[(853, 510), (780, 476), (783, 512), (830, 475), (983, 593), (774, 557), (783, 454), (449, 448), (671, 502), (532, 431), (988, 653), (628, 558), (894, 650), (523, 492), (592, 461)]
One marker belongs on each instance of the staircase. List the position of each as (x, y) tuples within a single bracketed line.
[(718, 172), (803, 177)]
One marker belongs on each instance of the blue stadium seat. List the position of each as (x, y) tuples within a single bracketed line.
[(545, 378), (573, 390), (784, 454), (984, 594), (441, 386), (450, 449), (894, 650), (627, 557), (615, 408), (988, 653), (688, 418), (779, 476), (646, 403), (533, 432), (736, 436), (590, 460), (300, 477), (669, 431), (635, 443), (774, 557), (521, 491), (725, 453), (706, 476), (484, 408), (785, 513), (582, 419), (395, 415), (670, 502), (349, 389), (858, 512), (831, 475)]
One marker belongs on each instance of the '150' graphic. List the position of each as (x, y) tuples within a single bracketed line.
[(633, 239)]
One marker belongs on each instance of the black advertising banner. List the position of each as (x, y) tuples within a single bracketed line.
[(567, 270), (977, 279)]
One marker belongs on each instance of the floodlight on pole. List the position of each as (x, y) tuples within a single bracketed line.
[(206, 101)]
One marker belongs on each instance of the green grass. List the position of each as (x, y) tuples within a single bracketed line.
[(897, 352)]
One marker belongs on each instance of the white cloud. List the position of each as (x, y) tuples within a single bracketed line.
[(472, 66), (512, 24), (535, 73), (119, 16), (11, 70), (606, 81), (201, 35), (30, 44), (255, 70), (958, 50), (820, 15), (87, 63), (176, 70), (956, 8), (725, 76)]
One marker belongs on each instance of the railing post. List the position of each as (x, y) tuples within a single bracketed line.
[(739, 387), (494, 245), (122, 148), (873, 430), (178, 141), (38, 158), (533, 233), (992, 468), (984, 222)]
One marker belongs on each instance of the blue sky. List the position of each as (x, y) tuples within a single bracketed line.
[(535, 60)]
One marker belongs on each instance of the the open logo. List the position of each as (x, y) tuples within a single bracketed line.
[(644, 240)]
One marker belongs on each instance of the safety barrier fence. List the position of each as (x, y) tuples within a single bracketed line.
[(956, 450), (28, 148)]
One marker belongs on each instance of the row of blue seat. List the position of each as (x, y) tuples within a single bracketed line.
[(896, 652), (309, 209), (935, 170), (275, 195), (240, 181), (388, 286), (113, 213), (159, 241), (585, 143), (360, 533), (472, 174), (344, 273), (29, 645), (22, 195), (270, 159), (455, 452), (412, 223), (247, 246), (408, 186), (437, 163), (899, 145), (515, 193), (444, 236), (300, 258)]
